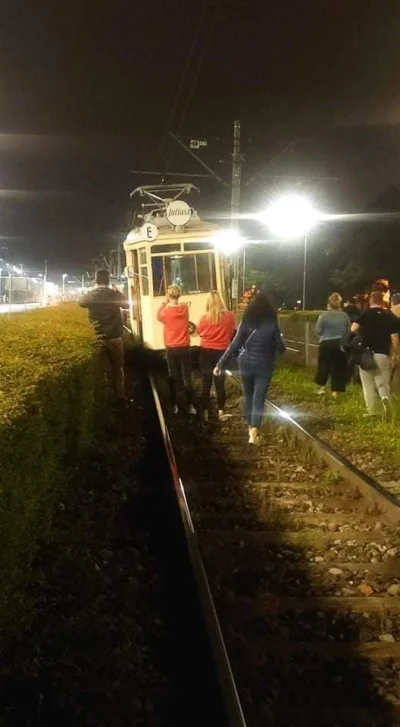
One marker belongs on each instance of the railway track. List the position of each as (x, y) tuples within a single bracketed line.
[(301, 553)]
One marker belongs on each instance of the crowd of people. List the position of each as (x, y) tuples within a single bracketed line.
[(256, 343), (366, 336)]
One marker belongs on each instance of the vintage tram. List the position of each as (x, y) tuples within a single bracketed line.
[(170, 244)]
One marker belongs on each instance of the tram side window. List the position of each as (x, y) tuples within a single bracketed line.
[(159, 269), (144, 273), (193, 273)]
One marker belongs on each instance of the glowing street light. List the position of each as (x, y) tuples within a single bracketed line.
[(291, 217)]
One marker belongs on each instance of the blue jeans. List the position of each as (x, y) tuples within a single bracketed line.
[(255, 387)]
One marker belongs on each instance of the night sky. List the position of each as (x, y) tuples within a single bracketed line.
[(88, 91)]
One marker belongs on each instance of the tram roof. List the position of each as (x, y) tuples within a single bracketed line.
[(195, 230)]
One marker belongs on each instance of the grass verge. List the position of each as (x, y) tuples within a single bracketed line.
[(49, 385), (372, 445)]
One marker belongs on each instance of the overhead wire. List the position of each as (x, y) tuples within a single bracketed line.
[(184, 75), (189, 98)]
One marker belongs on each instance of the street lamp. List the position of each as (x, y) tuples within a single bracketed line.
[(291, 217)]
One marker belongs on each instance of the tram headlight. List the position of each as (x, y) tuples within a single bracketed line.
[(228, 241)]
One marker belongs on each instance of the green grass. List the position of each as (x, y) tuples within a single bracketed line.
[(373, 444)]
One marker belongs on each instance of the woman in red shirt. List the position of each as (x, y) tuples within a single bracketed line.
[(215, 329), (175, 317)]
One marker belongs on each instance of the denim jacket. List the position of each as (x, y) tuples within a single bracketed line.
[(256, 346)]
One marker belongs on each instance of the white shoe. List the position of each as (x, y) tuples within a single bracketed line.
[(321, 392), (192, 410), (175, 409), (254, 437), (223, 417)]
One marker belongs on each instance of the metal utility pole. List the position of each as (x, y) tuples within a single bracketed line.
[(305, 271), (45, 299), (237, 162), (119, 271)]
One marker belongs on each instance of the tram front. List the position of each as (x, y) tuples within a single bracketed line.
[(170, 245)]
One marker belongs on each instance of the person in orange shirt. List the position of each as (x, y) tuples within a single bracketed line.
[(175, 317), (216, 329)]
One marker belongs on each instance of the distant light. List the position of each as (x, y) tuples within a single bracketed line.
[(290, 216), (298, 302), (228, 241)]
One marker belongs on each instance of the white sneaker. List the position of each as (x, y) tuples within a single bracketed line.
[(254, 437), (175, 409), (321, 392), (192, 410)]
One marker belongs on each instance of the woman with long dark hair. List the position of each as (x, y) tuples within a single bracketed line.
[(258, 340)]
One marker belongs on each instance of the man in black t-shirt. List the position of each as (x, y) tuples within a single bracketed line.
[(105, 305), (378, 328)]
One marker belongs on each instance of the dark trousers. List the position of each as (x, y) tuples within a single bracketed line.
[(114, 351), (180, 372), (209, 358), (332, 362), (255, 388)]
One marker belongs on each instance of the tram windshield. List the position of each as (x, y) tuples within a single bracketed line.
[(193, 273)]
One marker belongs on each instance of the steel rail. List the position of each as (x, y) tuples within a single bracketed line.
[(225, 676), (368, 485), (373, 490)]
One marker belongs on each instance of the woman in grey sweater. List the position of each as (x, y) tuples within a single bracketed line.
[(333, 329)]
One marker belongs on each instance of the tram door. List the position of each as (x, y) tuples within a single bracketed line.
[(136, 313)]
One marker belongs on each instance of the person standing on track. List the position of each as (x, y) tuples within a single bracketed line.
[(395, 308), (258, 340), (104, 305), (333, 328), (175, 318), (378, 329), (354, 310), (216, 328)]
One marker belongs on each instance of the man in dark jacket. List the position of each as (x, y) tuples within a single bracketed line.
[(104, 304)]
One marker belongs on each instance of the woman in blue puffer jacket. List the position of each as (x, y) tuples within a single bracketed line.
[(257, 341)]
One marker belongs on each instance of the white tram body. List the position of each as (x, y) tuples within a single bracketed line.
[(160, 253)]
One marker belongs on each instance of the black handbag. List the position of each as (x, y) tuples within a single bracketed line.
[(363, 355)]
